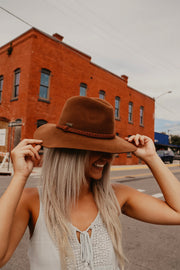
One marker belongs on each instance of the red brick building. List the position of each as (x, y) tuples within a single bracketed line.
[(38, 72)]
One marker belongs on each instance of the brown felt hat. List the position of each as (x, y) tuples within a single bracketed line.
[(85, 123)]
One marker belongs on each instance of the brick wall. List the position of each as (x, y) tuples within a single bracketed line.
[(69, 67)]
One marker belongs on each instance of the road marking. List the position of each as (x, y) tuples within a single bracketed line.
[(158, 195), (141, 190)]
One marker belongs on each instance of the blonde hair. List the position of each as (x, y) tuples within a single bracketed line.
[(63, 175)]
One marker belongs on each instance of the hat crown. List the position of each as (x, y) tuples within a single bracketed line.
[(87, 124), (88, 115)]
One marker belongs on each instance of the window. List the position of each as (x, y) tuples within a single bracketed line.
[(129, 154), (83, 89), (141, 116), (44, 84), (117, 107), (1, 86), (41, 122), (16, 82), (130, 113), (102, 94)]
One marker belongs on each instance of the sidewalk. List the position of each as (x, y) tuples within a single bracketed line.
[(176, 163), (4, 171)]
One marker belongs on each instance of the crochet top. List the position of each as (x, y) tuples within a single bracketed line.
[(93, 252)]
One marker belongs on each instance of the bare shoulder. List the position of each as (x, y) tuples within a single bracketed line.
[(30, 201), (29, 196), (122, 192)]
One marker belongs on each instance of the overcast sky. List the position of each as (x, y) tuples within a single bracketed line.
[(139, 38)]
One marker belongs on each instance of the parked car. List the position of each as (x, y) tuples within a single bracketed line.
[(177, 157), (166, 155)]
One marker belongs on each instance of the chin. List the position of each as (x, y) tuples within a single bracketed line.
[(97, 177)]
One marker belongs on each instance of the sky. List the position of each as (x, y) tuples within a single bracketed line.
[(138, 38)]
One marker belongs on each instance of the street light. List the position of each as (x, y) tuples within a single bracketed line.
[(168, 92)]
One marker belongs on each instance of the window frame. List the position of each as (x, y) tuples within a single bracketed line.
[(16, 85), (39, 123), (102, 94), (130, 112), (45, 86), (117, 109), (141, 114), (1, 86), (83, 87)]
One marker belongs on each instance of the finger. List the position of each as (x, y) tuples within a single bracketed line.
[(37, 147), (28, 153), (30, 141), (33, 149), (136, 139), (131, 138), (142, 140)]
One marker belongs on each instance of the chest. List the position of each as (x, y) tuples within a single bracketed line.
[(93, 251), (83, 214)]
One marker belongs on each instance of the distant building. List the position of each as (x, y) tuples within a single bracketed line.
[(38, 72)]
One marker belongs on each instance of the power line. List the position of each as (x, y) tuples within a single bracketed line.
[(101, 31), (12, 14), (165, 108)]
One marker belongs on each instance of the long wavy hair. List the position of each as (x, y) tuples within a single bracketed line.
[(63, 175)]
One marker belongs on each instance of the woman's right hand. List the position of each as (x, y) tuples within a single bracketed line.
[(24, 155)]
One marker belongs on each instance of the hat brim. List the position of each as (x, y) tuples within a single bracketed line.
[(54, 137)]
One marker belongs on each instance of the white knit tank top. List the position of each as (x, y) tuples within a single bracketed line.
[(93, 252)]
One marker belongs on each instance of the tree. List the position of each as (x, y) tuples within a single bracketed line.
[(175, 139)]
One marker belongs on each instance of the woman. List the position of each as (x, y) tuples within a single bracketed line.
[(74, 218)]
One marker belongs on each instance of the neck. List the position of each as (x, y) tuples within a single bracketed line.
[(85, 190)]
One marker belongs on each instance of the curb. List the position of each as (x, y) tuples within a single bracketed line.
[(138, 167), (141, 176)]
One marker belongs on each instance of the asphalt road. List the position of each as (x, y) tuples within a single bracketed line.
[(147, 246)]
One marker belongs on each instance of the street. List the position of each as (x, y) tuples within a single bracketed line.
[(146, 246)]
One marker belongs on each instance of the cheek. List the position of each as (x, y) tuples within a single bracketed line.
[(94, 173)]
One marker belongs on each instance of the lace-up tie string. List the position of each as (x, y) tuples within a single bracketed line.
[(86, 248)]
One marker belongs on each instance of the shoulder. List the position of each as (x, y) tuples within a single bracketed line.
[(31, 204), (28, 206), (123, 193), (29, 196)]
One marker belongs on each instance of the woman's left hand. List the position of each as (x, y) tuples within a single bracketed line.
[(145, 146)]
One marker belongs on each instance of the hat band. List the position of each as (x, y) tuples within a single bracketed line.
[(86, 133)]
